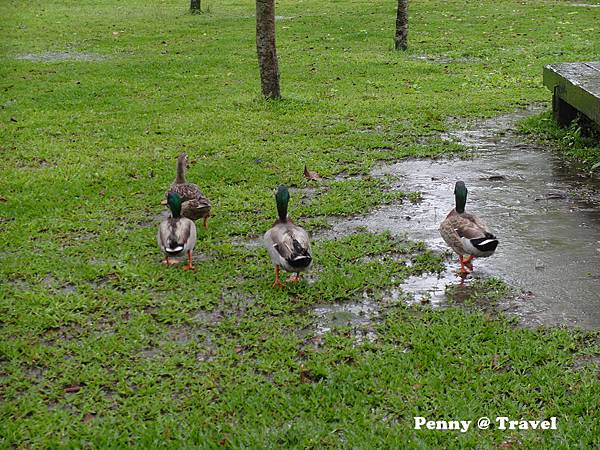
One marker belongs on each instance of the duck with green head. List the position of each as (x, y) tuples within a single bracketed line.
[(287, 243), (176, 235), (466, 233)]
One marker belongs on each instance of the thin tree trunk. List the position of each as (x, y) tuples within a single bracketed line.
[(195, 6), (265, 47), (401, 39)]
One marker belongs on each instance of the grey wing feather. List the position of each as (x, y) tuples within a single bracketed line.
[(284, 237), (289, 246), (177, 234)]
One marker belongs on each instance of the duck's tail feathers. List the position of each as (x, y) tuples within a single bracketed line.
[(485, 244), (173, 248), (300, 257)]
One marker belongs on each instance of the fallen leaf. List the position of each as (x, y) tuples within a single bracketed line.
[(303, 374), (495, 361), (88, 417), (72, 389), (310, 175)]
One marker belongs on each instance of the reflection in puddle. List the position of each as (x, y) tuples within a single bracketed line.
[(428, 288)]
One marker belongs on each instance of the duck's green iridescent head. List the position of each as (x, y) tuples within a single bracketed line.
[(174, 202), (282, 197), (460, 195)]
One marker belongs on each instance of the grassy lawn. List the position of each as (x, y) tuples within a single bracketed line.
[(102, 346)]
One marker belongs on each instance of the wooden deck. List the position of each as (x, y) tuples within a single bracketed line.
[(575, 88)]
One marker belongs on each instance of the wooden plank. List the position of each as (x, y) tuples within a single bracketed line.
[(577, 84), (583, 75), (595, 65)]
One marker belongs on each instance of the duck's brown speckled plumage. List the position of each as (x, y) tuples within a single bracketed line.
[(195, 204), (457, 226), (465, 233)]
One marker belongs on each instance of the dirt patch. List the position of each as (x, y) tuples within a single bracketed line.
[(445, 59)]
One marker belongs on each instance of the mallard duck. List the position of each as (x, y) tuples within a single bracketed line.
[(176, 235), (287, 244), (465, 233), (194, 203)]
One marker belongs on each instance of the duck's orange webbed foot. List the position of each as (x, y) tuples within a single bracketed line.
[(464, 267), (277, 282), (294, 278), (168, 261), (189, 265), (468, 262)]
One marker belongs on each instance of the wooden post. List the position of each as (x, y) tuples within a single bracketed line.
[(564, 113)]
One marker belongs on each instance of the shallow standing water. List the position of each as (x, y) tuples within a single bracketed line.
[(546, 215)]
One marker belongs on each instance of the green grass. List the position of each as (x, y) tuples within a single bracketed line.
[(101, 346)]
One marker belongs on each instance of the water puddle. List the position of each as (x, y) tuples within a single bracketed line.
[(444, 59), (61, 56), (426, 289), (545, 213), (360, 316)]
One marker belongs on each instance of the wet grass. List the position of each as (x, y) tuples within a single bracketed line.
[(101, 346), (579, 141)]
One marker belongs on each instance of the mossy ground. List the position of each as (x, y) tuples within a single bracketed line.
[(101, 346)]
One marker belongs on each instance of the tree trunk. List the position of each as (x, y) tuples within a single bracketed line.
[(401, 38), (195, 6), (265, 47)]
